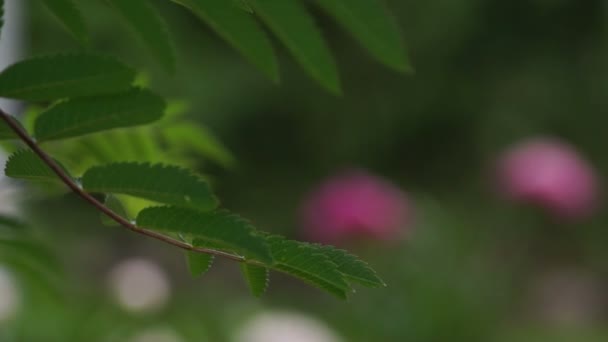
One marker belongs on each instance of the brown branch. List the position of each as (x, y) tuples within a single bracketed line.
[(77, 189)]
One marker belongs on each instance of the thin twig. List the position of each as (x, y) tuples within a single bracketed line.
[(77, 189)]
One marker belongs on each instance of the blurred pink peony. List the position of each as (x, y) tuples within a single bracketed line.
[(354, 204), (551, 174)]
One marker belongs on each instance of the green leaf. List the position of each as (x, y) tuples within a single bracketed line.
[(60, 76), (85, 115), (371, 24), (199, 138), (160, 183), (257, 278), (70, 16), (240, 30), (294, 26), (198, 263), (217, 229), (151, 28), (6, 132), (351, 267), (25, 164), (306, 262)]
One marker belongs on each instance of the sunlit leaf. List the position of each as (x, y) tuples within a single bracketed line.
[(200, 140)]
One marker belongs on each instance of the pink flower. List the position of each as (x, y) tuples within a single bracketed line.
[(355, 204), (550, 174)]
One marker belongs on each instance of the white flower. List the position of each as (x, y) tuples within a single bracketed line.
[(140, 285), (285, 327), (160, 334)]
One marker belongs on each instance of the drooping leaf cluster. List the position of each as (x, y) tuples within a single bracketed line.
[(176, 139), (238, 22), (90, 94), (22, 251)]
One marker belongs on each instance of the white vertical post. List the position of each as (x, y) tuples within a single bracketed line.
[(12, 41), (12, 45)]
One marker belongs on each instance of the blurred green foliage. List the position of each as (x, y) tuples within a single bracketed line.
[(487, 74)]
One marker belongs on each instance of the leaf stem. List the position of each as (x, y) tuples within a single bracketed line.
[(77, 189)]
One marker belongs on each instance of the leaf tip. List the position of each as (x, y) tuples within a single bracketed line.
[(198, 263)]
